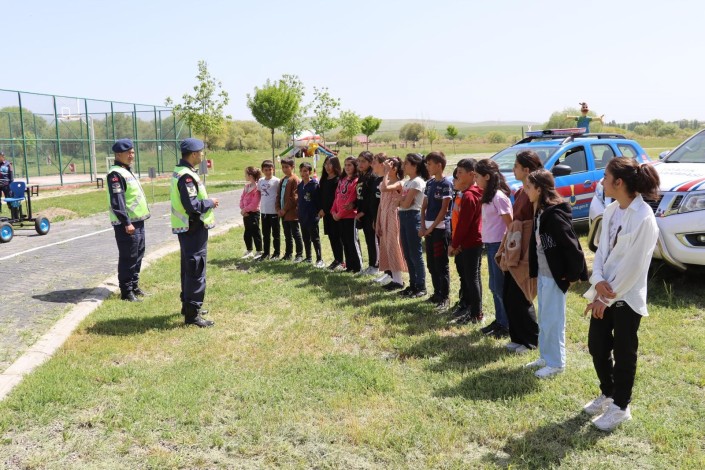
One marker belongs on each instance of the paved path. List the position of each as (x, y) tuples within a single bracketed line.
[(41, 277)]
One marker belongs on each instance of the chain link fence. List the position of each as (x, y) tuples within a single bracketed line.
[(57, 140)]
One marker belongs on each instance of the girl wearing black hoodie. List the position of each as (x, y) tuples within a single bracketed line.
[(556, 258)]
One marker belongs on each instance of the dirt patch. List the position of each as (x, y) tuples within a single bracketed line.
[(56, 214)]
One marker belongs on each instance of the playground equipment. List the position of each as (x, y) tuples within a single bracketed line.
[(308, 144), (18, 218)]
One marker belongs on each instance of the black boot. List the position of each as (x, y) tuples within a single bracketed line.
[(129, 296), (193, 317), (139, 292)]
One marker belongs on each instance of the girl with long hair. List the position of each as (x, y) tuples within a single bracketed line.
[(412, 196), (344, 212), (496, 217), (387, 227), (249, 209), (618, 286), (556, 259), (329, 183)]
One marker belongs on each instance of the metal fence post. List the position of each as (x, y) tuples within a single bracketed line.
[(137, 139), (58, 142), (24, 139)]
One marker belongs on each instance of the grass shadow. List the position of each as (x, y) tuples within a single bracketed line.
[(492, 385), (547, 446), (72, 296), (135, 325), (459, 352)]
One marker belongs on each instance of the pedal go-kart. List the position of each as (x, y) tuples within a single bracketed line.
[(18, 218)]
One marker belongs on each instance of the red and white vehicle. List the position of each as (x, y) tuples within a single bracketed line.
[(679, 209)]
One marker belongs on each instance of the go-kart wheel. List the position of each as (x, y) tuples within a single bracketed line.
[(6, 232), (42, 225)]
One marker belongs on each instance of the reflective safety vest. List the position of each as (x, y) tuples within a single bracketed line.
[(179, 216), (135, 200)]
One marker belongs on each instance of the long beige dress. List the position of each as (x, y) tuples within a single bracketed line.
[(387, 228)]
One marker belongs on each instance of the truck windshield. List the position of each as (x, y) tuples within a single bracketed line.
[(505, 159), (690, 151)]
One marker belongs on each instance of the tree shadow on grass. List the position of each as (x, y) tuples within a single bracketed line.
[(547, 446), (492, 385), (73, 296), (135, 325), (231, 264)]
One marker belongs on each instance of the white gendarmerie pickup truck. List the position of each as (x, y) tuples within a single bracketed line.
[(679, 209)]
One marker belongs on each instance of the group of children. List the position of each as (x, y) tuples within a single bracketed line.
[(531, 247)]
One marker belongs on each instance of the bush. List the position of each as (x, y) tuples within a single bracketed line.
[(496, 138)]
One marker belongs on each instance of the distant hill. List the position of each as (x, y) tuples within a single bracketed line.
[(507, 127)]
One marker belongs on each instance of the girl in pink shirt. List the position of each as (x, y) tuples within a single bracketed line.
[(344, 212), (249, 208)]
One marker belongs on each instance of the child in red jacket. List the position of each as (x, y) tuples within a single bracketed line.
[(466, 244), (344, 212)]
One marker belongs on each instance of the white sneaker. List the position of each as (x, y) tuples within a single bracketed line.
[(548, 371), (538, 363), (598, 405), (383, 278), (320, 264), (248, 254), (257, 255), (613, 417), (521, 349), (512, 346), (372, 271)]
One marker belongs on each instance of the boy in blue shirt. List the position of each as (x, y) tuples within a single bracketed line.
[(435, 213), (309, 205)]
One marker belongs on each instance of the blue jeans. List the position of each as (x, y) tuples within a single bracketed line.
[(552, 302), (409, 226), (496, 285)]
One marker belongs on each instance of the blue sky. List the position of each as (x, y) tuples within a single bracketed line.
[(443, 60)]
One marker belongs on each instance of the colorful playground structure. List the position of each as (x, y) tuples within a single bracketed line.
[(307, 144)]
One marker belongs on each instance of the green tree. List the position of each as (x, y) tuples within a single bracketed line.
[(432, 136), (496, 137), (324, 106), (411, 131), (296, 123), (350, 126), (203, 111), (274, 105), (369, 126), (452, 134)]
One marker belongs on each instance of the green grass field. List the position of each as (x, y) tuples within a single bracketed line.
[(311, 369)]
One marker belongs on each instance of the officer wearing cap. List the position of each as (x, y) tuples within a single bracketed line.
[(191, 217), (6, 177), (128, 211)]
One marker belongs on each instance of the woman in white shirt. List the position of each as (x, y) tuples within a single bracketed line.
[(618, 292)]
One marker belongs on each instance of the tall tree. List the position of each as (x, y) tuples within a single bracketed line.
[(432, 136), (452, 133), (274, 105), (412, 131), (203, 111), (350, 125), (324, 106), (369, 126), (296, 123)]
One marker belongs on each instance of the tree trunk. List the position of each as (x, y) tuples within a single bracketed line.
[(368, 142), (272, 144)]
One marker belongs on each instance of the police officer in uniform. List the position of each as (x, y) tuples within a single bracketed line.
[(192, 214), (6, 177), (128, 211)]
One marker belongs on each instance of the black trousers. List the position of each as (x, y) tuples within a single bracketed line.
[(468, 263), (332, 229), (351, 245), (194, 250), (5, 190), (311, 235), (271, 233), (615, 336), (252, 233), (130, 254), (292, 234), (368, 228), (523, 328), (437, 261)]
